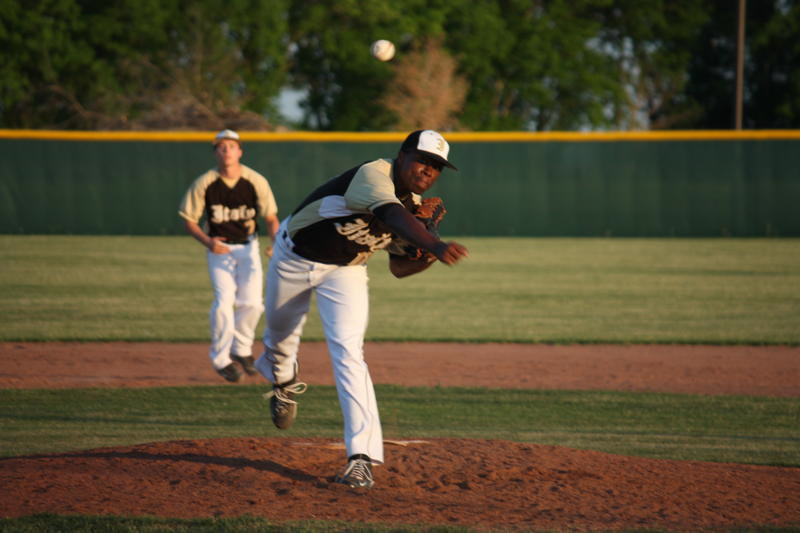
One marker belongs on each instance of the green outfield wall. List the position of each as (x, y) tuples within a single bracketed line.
[(706, 183)]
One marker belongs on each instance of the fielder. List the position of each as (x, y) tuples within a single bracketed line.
[(230, 197), (322, 248)]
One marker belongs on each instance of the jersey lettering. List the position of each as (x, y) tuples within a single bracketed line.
[(221, 213), (360, 258), (358, 232)]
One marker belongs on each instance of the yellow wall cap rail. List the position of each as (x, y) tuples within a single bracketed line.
[(342, 136)]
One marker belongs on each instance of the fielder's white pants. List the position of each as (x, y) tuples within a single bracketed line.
[(343, 303), (237, 280)]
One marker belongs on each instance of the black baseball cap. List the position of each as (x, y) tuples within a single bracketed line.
[(428, 143)]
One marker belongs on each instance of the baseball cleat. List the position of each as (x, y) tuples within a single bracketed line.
[(247, 363), (282, 406), (230, 373), (357, 474)]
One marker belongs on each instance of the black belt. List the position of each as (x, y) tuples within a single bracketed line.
[(246, 241)]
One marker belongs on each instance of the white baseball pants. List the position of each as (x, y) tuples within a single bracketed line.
[(237, 279), (343, 304)]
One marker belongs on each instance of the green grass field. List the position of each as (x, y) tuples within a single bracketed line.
[(740, 429), (716, 291)]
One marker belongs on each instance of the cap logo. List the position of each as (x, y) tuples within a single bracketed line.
[(430, 141)]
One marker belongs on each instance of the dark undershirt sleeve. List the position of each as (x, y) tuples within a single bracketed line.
[(406, 226)]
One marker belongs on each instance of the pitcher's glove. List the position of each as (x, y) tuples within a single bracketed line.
[(430, 212)]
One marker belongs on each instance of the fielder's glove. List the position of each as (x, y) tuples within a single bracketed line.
[(430, 212)]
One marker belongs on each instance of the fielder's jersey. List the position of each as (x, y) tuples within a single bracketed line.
[(335, 224), (230, 207)]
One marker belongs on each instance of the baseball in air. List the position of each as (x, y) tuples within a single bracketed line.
[(382, 50)]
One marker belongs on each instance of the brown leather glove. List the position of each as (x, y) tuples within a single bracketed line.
[(430, 212)]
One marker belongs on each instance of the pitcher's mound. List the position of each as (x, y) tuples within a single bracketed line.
[(478, 483)]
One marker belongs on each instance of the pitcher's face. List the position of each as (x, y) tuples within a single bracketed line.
[(416, 172)]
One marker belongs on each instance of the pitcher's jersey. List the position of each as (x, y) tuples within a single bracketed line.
[(230, 207), (335, 224)]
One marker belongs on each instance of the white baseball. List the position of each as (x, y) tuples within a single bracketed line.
[(382, 49)]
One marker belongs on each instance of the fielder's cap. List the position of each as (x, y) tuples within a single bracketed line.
[(227, 134), (428, 143)]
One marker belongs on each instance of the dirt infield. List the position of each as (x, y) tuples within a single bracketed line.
[(491, 484), (761, 371)]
